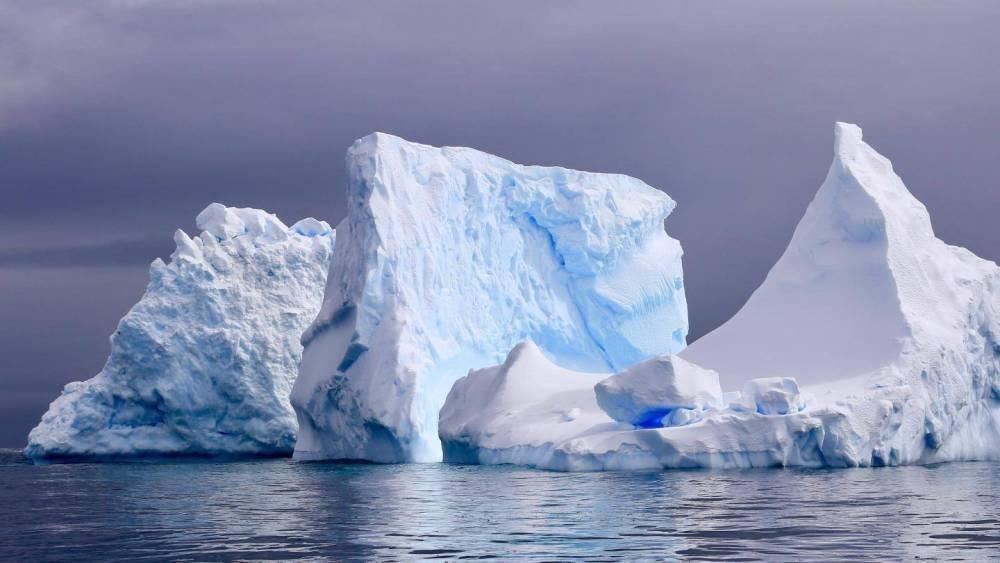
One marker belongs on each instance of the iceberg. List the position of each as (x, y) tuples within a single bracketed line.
[(665, 386), (448, 258), (204, 363), (519, 411), (871, 342), (773, 395)]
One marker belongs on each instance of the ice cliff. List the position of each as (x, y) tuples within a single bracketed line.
[(871, 342), (447, 259), (205, 361)]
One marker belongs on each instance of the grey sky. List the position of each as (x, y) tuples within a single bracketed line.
[(120, 120)]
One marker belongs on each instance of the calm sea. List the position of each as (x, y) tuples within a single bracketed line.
[(280, 510)]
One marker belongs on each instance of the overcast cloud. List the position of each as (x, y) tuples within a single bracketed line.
[(120, 120)]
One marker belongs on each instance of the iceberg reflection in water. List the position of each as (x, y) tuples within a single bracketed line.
[(279, 509)]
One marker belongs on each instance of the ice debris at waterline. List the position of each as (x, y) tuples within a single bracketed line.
[(448, 258), (893, 335), (205, 361)]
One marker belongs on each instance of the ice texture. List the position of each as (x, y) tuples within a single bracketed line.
[(448, 258), (650, 394), (773, 395), (205, 361), (518, 411), (871, 342)]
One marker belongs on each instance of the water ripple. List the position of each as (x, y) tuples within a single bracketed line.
[(280, 510)]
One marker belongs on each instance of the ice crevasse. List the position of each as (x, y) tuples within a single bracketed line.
[(204, 363), (449, 257), (871, 342)]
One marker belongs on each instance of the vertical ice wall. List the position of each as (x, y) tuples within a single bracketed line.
[(449, 257)]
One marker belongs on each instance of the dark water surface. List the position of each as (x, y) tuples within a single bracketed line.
[(278, 509)]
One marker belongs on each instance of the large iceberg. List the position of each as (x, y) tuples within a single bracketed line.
[(447, 259), (205, 361), (871, 342)]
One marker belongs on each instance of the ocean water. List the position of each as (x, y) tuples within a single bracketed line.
[(281, 510)]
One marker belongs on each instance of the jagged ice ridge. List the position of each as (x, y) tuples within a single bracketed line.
[(205, 361)]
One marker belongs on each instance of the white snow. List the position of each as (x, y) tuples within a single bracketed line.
[(447, 259), (831, 304), (664, 386), (773, 395), (205, 361), (517, 411), (893, 335)]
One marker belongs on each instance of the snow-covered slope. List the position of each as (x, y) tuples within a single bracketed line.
[(548, 405), (835, 302), (449, 257), (205, 361), (894, 335)]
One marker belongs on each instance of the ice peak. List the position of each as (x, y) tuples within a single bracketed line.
[(853, 250), (868, 190), (846, 137), (864, 245), (862, 203), (382, 144), (524, 361), (527, 350), (381, 137)]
